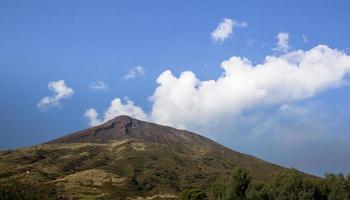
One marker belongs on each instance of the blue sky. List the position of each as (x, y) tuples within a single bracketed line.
[(83, 42)]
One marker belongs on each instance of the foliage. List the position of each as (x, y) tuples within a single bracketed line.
[(335, 187), (15, 190), (236, 187), (219, 192), (258, 191), (112, 193), (288, 184), (292, 185), (193, 194)]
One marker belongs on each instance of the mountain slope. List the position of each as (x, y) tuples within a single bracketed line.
[(128, 157)]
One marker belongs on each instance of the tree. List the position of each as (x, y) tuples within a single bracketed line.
[(292, 185), (288, 184), (258, 191), (238, 184), (236, 188), (335, 187)]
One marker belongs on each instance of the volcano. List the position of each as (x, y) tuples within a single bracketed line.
[(129, 158)]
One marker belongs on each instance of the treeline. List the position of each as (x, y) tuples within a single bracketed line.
[(286, 185)]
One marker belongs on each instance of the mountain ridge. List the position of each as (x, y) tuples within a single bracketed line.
[(124, 127)]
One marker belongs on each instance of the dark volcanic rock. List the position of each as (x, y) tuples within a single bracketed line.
[(125, 127)]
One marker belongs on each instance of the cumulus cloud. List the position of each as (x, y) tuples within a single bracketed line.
[(60, 91), (282, 42), (134, 72), (116, 108), (293, 76), (98, 85), (187, 102), (225, 29), (92, 115)]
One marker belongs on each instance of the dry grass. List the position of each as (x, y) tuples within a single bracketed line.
[(138, 146), (93, 177)]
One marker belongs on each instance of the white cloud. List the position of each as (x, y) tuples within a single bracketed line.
[(187, 102), (98, 85), (92, 115), (225, 29), (282, 42), (116, 108), (134, 72), (60, 91), (293, 76)]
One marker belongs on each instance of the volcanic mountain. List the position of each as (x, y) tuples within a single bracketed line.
[(128, 158)]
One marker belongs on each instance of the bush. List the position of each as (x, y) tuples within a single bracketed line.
[(258, 191), (15, 190), (335, 187), (288, 184), (236, 187), (193, 194), (292, 185)]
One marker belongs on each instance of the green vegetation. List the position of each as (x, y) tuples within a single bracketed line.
[(193, 194), (15, 190), (237, 186), (288, 184)]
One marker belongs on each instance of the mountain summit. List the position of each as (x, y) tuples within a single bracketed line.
[(130, 158), (125, 127)]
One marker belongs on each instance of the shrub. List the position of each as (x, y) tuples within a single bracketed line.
[(236, 187), (292, 185), (335, 187), (193, 194), (15, 190), (258, 191)]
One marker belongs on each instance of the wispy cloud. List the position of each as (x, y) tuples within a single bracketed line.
[(305, 39), (225, 29), (60, 91), (134, 72), (302, 134), (98, 85), (282, 42)]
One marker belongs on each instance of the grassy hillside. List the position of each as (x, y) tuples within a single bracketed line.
[(142, 163)]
